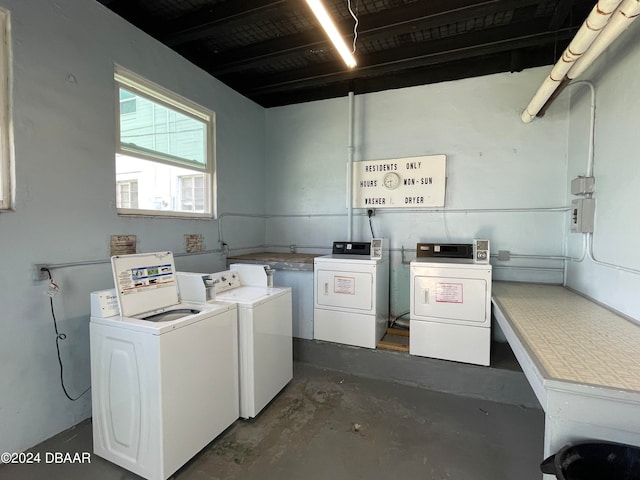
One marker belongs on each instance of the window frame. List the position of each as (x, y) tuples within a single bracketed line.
[(153, 92), (7, 159)]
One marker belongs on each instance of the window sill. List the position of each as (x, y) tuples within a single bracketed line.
[(125, 212)]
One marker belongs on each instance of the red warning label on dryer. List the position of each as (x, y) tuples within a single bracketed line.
[(344, 285), (449, 292)]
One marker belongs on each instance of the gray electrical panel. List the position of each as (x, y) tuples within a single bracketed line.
[(583, 185), (582, 215)]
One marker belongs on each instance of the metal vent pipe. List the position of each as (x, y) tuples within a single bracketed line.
[(586, 35), (619, 22)]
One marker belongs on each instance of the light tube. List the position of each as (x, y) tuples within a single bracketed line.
[(325, 20)]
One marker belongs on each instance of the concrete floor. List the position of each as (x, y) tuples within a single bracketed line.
[(330, 425)]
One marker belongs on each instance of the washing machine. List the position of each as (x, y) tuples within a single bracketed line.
[(450, 309), (164, 373), (351, 301), (265, 327)]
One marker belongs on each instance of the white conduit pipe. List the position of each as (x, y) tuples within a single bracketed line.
[(350, 172), (585, 36)]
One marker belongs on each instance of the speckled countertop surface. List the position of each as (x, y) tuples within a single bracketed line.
[(278, 261), (573, 338), (277, 257)]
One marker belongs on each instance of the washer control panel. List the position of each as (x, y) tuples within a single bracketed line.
[(226, 280)]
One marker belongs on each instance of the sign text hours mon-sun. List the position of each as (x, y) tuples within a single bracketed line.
[(400, 182)]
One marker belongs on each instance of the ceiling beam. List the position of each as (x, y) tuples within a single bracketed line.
[(396, 21), (563, 9), (473, 67), (205, 21), (443, 50)]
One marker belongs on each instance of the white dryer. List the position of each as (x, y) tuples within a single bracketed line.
[(450, 309), (264, 329), (351, 301), (164, 374)]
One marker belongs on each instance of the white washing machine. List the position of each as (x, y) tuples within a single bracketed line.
[(450, 309), (351, 301), (164, 374), (264, 330)]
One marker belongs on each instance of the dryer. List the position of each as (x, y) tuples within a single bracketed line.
[(450, 309), (351, 301), (265, 328), (164, 373)]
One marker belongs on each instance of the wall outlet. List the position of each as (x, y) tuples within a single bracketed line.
[(38, 273)]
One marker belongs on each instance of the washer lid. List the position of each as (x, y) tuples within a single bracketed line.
[(145, 282), (251, 295)]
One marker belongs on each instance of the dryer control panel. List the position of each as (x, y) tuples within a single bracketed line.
[(351, 248), (444, 250)]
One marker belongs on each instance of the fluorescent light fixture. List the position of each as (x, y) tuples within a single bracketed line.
[(325, 20)]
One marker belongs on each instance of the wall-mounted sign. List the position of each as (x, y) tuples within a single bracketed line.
[(400, 182), (123, 244), (193, 243)]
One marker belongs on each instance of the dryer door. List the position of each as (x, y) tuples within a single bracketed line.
[(344, 289), (451, 299)]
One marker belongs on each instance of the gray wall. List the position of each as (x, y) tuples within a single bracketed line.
[(494, 161), (64, 120), (612, 273)]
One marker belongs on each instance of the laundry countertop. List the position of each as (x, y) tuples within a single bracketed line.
[(278, 260), (573, 338)]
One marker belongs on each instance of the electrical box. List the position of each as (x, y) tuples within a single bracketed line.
[(480, 251), (504, 255), (582, 215), (379, 248), (583, 185)]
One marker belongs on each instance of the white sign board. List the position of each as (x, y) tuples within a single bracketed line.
[(400, 182)]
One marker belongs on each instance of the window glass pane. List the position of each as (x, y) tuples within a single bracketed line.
[(127, 194), (126, 95), (152, 127), (192, 193), (158, 186), (198, 192)]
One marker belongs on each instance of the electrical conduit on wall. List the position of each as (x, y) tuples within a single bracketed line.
[(350, 149)]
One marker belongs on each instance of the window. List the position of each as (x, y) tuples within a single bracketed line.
[(127, 102), (6, 133), (164, 156), (192, 193), (128, 194)]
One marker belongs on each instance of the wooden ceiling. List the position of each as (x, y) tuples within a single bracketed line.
[(275, 53)]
